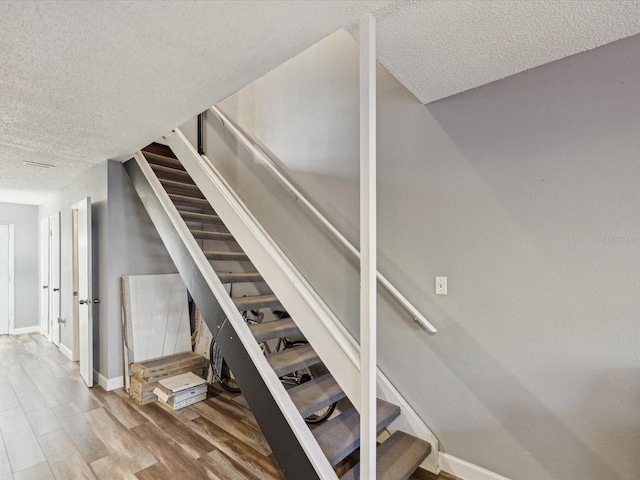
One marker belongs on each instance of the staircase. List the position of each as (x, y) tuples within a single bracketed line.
[(338, 438)]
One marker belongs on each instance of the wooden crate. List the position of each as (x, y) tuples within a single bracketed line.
[(142, 392), (148, 373), (168, 366)]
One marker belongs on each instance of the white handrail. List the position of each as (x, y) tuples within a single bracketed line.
[(268, 161)]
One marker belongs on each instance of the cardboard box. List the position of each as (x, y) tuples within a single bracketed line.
[(182, 390)]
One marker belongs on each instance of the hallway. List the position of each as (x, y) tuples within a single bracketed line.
[(53, 427)]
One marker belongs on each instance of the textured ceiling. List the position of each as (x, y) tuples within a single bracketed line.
[(438, 48), (81, 82)]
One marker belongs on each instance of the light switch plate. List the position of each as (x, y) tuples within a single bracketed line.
[(441, 285)]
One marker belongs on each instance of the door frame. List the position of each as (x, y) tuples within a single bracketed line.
[(45, 276), (54, 280), (85, 333), (12, 295)]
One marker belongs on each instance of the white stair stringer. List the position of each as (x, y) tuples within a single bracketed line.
[(290, 412), (336, 347)]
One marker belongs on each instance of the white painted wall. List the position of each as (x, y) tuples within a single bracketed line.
[(523, 192), (125, 242), (27, 292)]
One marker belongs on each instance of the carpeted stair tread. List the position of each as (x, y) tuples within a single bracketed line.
[(188, 201), (200, 217), (232, 256), (291, 359), (316, 394), (240, 277), (204, 235), (396, 458), (257, 302), (341, 435), (171, 186), (277, 329)]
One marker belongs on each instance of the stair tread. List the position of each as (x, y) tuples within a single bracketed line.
[(160, 150), (276, 329), (180, 187), (200, 217), (292, 359), (316, 394), (189, 201), (204, 235), (170, 171), (256, 302), (341, 435), (397, 458), (240, 277), (237, 256)]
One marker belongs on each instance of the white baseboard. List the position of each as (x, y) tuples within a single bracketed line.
[(66, 352), (110, 383), (23, 330), (467, 471)]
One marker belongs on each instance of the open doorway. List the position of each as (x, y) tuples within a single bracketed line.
[(6, 279)]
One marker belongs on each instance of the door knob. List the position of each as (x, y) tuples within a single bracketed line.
[(56, 289), (44, 287), (89, 301)]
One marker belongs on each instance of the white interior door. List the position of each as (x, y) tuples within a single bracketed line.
[(85, 297), (54, 278), (6, 261), (44, 277)]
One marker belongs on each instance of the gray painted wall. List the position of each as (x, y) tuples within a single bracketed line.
[(26, 252), (523, 192), (124, 242), (135, 248)]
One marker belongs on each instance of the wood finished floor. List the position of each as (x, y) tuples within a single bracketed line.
[(53, 427)]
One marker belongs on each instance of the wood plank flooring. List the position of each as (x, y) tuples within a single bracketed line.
[(53, 427)]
